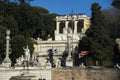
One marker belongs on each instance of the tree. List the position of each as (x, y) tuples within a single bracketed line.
[(2, 42), (40, 10), (116, 3), (30, 42), (45, 23), (25, 22), (112, 16), (99, 44), (17, 43), (24, 1), (6, 1)]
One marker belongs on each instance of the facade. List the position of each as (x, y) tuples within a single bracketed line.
[(60, 74), (77, 23)]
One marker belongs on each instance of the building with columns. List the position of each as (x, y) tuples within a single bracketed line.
[(78, 23)]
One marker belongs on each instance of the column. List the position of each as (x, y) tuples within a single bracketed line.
[(57, 27), (69, 48), (75, 26), (66, 24), (66, 27), (86, 25), (7, 61)]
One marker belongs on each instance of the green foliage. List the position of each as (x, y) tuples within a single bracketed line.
[(24, 1), (2, 42), (97, 40), (24, 21), (40, 10), (30, 43), (17, 43), (112, 16), (11, 24), (116, 3)]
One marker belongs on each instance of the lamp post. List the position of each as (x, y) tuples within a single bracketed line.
[(69, 61), (7, 61), (68, 42)]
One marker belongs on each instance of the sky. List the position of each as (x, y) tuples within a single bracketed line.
[(64, 7)]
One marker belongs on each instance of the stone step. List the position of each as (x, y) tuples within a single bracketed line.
[(39, 74)]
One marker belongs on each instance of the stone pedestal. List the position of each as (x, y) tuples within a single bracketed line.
[(7, 62), (69, 62)]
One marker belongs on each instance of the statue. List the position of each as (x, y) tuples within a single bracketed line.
[(20, 61), (58, 62), (82, 65), (26, 57), (27, 53), (47, 63)]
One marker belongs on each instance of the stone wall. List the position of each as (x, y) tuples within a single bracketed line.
[(19, 74), (7, 74), (86, 74), (61, 74)]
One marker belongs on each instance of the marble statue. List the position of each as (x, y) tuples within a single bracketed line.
[(58, 62), (27, 53), (20, 61), (82, 65)]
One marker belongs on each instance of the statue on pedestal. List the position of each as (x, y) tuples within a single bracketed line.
[(27, 53), (26, 56), (57, 62), (20, 61)]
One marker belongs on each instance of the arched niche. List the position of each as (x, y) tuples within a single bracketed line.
[(80, 25), (71, 25), (62, 26)]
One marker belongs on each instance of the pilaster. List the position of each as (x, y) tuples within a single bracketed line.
[(75, 26), (57, 27), (86, 25)]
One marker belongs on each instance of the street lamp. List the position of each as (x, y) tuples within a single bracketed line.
[(7, 61), (68, 42), (8, 32), (69, 61)]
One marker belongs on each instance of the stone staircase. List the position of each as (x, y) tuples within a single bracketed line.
[(40, 74), (32, 74), (6, 74)]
